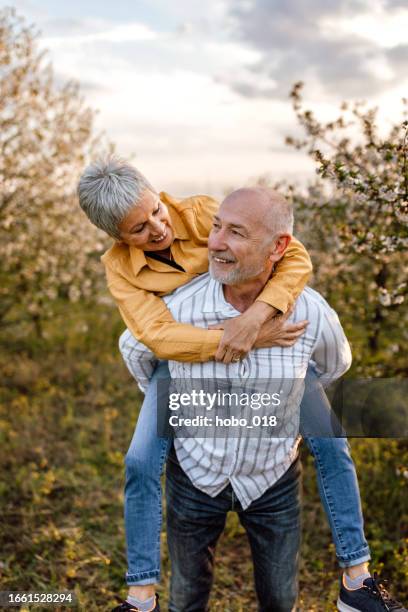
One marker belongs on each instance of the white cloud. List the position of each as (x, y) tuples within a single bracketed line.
[(381, 26), (165, 93), (131, 32)]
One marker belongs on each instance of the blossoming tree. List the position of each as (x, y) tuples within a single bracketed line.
[(354, 219), (47, 249)]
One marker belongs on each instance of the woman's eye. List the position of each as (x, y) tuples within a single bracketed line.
[(236, 233), (137, 231), (157, 210)]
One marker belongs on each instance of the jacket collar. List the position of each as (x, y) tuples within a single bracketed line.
[(180, 230)]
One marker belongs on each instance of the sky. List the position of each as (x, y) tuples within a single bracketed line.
[(196, 93)]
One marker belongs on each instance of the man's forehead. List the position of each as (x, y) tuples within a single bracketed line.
[(240, 211)]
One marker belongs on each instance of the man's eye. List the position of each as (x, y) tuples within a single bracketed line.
[(236, 233)]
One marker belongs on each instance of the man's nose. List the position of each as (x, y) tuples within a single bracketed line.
[(216, 240)]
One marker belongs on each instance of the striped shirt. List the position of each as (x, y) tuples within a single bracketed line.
[(251, 463)]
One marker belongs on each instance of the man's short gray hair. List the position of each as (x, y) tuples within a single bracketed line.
[(279, 217), (108, 189), (277, 211)]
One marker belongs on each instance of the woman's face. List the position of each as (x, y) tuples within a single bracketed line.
[(148, 225)]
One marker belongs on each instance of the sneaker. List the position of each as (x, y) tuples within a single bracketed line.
[(124, 606), (372, 597)]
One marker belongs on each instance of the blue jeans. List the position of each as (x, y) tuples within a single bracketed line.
[(195, 521), (144, 464), (147, 455)]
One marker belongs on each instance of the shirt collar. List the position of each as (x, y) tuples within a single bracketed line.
[(214, 300)]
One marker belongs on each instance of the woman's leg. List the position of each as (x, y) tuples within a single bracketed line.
[(143, 496), (336, 474)]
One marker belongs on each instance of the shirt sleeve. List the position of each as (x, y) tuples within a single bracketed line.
[(289, 277), (140, 360), (151, 323), (331, 354)]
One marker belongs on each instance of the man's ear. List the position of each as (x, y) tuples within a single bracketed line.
[(280, 246)]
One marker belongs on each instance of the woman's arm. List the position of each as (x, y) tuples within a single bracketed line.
[(289, 278), (151, 322)]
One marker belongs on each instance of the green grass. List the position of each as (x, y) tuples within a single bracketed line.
[(67, 414)]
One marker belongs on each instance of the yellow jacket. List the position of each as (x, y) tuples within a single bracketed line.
[(136, 282)]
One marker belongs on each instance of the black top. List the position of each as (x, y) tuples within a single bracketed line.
[(169, 262)]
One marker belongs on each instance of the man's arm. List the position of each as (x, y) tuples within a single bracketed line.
[(332, 353), (140, 361)]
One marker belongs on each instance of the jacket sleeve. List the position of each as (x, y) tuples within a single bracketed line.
[(289, 277), (204, 210), (151, 322)]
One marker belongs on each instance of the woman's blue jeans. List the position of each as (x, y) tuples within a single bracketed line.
[(147, 454)]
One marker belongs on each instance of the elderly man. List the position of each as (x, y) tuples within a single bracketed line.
[(254, 475)]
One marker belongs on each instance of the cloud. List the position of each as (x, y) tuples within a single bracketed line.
[(79, 33), (322, 41)]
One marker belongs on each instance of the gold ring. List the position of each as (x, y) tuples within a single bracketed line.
[(236, 358)]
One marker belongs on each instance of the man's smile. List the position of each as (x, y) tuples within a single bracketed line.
[(222, 259)]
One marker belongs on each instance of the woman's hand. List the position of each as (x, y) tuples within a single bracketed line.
[(255, 329), (240, 334), (278, 332)]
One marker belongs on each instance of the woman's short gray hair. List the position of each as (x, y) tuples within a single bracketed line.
[(108, 189)]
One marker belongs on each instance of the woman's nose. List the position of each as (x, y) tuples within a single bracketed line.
[(156, 226)]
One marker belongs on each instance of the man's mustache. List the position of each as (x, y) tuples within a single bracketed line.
[(222, 255)]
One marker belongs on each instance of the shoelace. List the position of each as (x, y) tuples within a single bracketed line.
[(380, 593)]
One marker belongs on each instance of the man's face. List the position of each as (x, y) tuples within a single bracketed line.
[(238, 240), (147, 225)]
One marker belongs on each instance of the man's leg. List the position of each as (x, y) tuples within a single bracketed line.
[(194, 523), (272, 523), (143, 500)]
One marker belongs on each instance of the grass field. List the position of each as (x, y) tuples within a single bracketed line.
[(68, 410)]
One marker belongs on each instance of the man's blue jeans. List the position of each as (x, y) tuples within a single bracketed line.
[(195, 521), (147, 455)]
